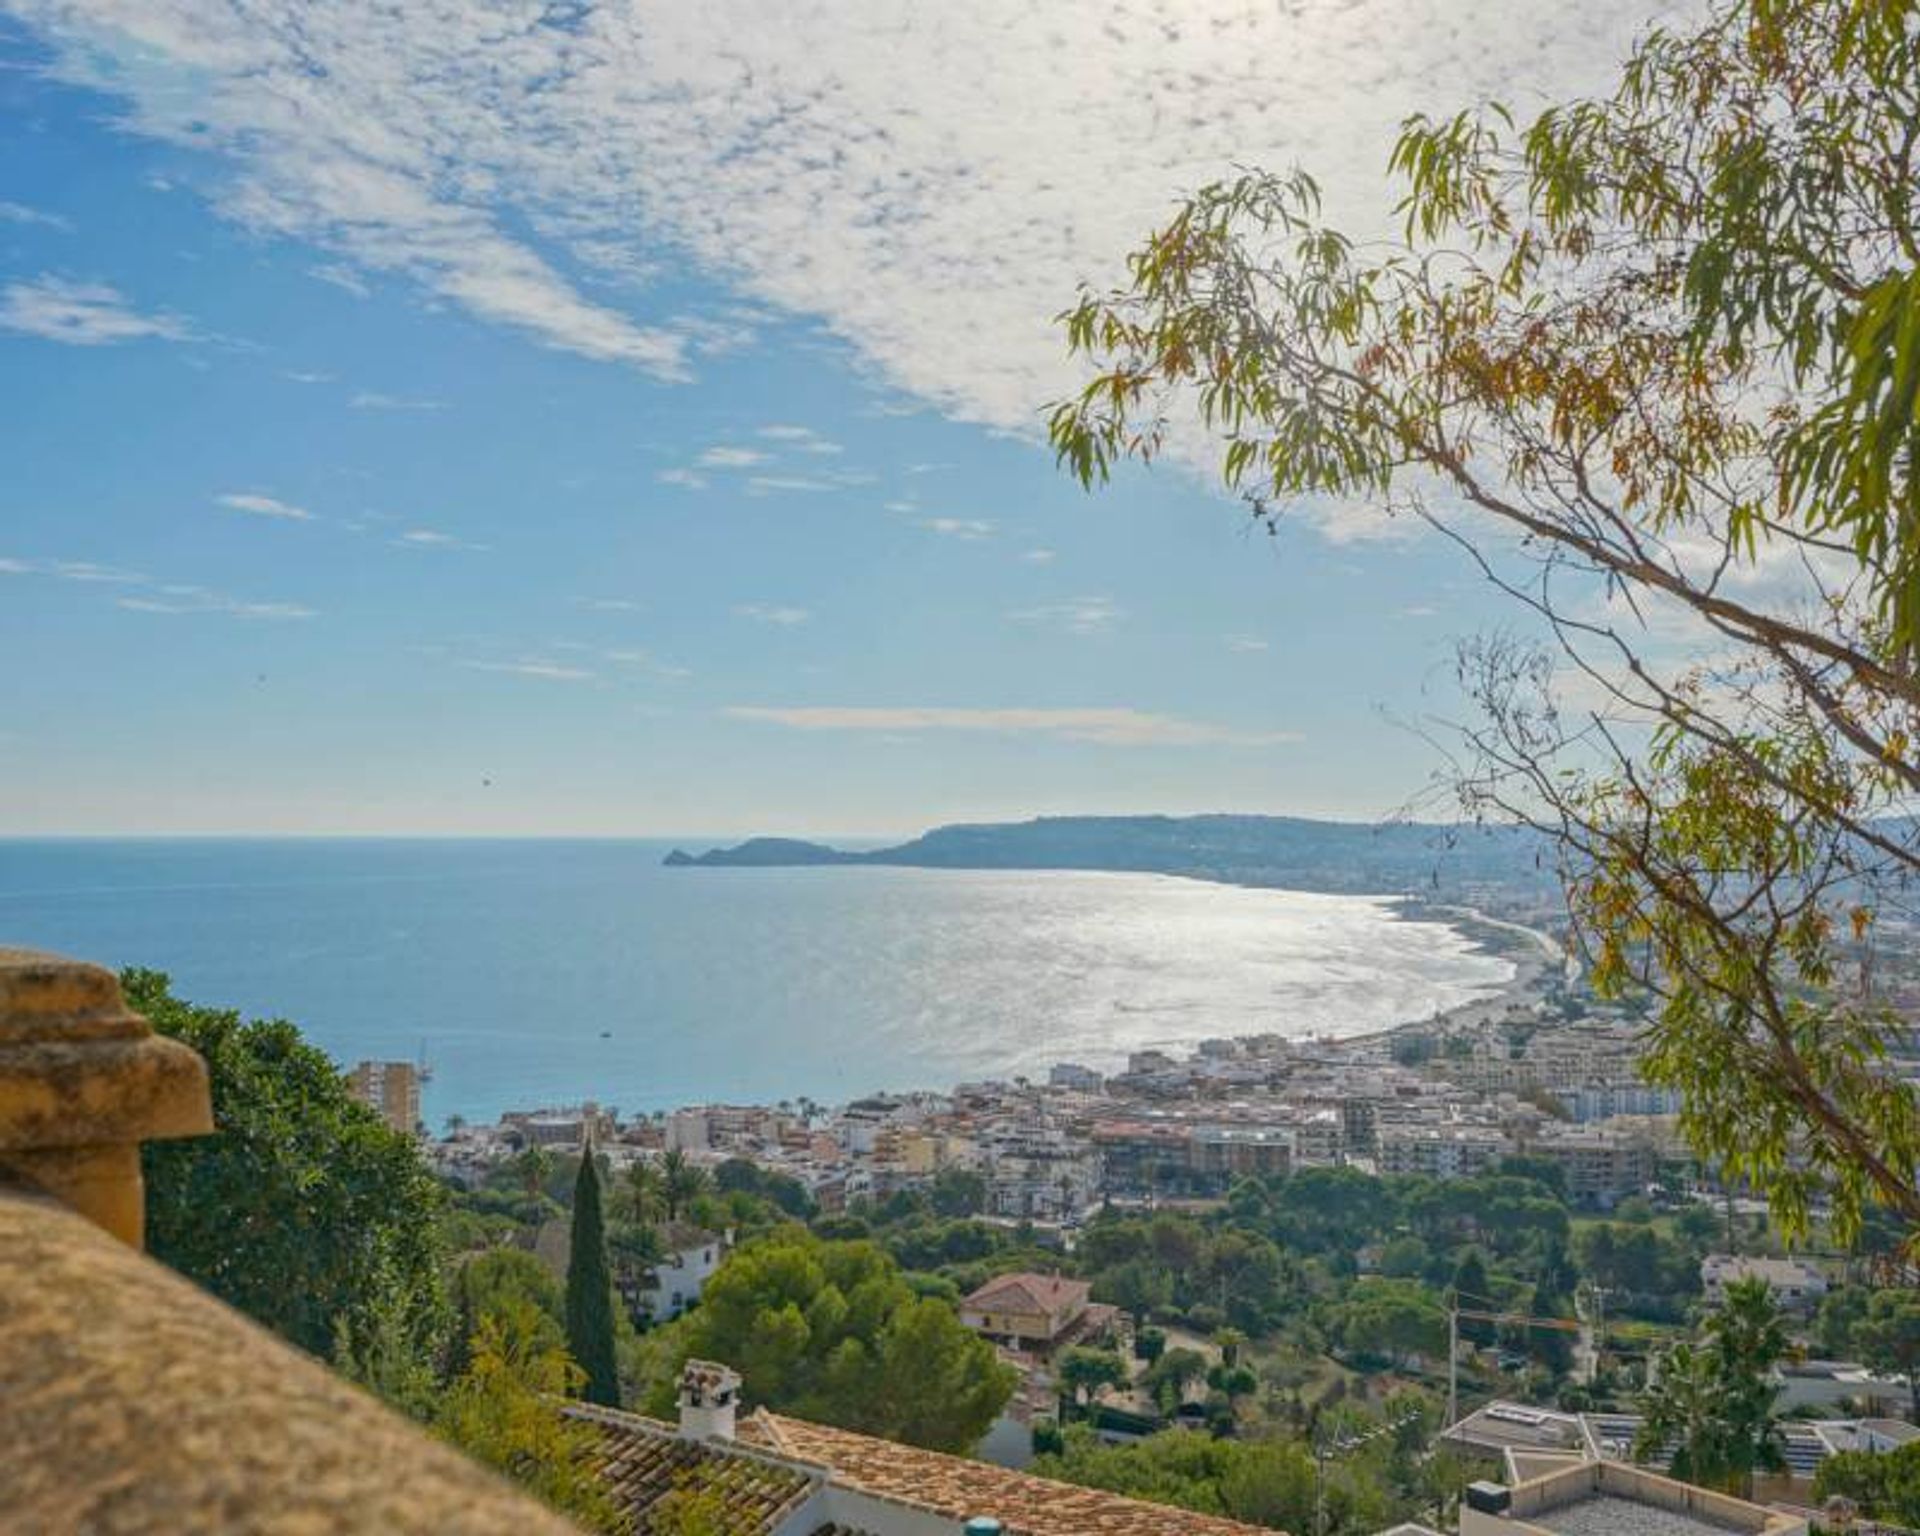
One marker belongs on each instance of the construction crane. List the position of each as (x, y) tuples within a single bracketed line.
[(1501, 1319)]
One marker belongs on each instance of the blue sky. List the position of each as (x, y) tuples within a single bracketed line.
[(508, 419)]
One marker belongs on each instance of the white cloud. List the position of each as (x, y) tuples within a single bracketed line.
[(686, 479), (82, 314), (431, 538), (769, 485), (213, 602), (87, 570), (959, 527), (1038, 557), (1099, 727), (609, 604), (547, 671), (264, 506), (1077, 615), (772, 613), (20, 213), (339, 275), (724, 457), (307, 378), (801, 439), (271, 611), (1246, 643), (934, 188), (141, 594), (373, 400)]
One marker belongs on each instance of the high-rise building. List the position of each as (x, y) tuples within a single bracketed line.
[(392, 1090)]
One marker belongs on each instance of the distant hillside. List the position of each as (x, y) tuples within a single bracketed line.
[(1289, 851)]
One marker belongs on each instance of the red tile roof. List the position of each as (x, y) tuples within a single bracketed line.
[(958, 1489), (642, 1461), (1028, 1293)]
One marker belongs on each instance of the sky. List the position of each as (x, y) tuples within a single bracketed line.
[(625, 419)]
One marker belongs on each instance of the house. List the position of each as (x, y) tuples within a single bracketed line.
[(1027, 1311), (1796, 1285), (673, 1284), (770, 1475)]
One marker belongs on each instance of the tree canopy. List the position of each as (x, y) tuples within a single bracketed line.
[(832, 1331), (303, 1209)]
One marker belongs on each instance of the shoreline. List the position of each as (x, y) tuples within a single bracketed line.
[(1531, 953)]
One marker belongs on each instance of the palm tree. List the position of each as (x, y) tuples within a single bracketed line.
[(644, 1198), (680, 1182), (534, 1166), (1712, 1400)]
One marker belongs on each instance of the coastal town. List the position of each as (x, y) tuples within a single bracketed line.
[(1543, 1081)]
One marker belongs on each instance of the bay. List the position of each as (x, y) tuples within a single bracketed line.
[(535, 972)]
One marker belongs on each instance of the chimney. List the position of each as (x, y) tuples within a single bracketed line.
[(83, 1081), (709, 1397)]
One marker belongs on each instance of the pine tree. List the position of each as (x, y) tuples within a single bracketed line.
[(1474, 1293), (590, 1290)]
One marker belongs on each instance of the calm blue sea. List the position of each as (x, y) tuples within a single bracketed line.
[(534, 972)]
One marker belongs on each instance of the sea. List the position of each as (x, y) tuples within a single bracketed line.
[(539, 972)]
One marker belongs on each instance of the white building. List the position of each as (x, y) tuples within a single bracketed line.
[(1075, 1078), (675, 1283), (1796, 1285)]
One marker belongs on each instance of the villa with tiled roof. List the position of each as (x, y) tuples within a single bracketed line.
[(776, 1476), (1037, 1312)]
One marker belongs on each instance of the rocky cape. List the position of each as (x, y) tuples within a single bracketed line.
[(1433, 860)]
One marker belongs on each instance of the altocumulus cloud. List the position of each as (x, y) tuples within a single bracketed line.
[(854, 162), (82, 314), (1117, 727)]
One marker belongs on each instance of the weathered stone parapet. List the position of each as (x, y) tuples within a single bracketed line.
[(132, 1403), (83, 1081)]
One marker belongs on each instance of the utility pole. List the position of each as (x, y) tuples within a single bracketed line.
[(1453, 1360)]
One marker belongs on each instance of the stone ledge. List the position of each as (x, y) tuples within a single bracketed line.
[(134, 1404)]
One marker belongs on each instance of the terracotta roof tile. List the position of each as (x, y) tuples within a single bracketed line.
[(958, 1489), (642, 1461), (1028, 1293)]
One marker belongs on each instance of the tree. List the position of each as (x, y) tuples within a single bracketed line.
[(1137, 1288), (643, 1200), (958, 1192), (1711, 1399), (832, 1331), (1168, 1378), (1653, 363), (1884, 1484), (1270, 1483), (487, 1284), (303, 1210), (501, 1411), (1887, 1336), (590, 1333), (680, 1182), (1474, 1292), (533, 1166), (1084, 1372)]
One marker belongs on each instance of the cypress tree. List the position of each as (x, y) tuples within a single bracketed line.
[(590, 1290)]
